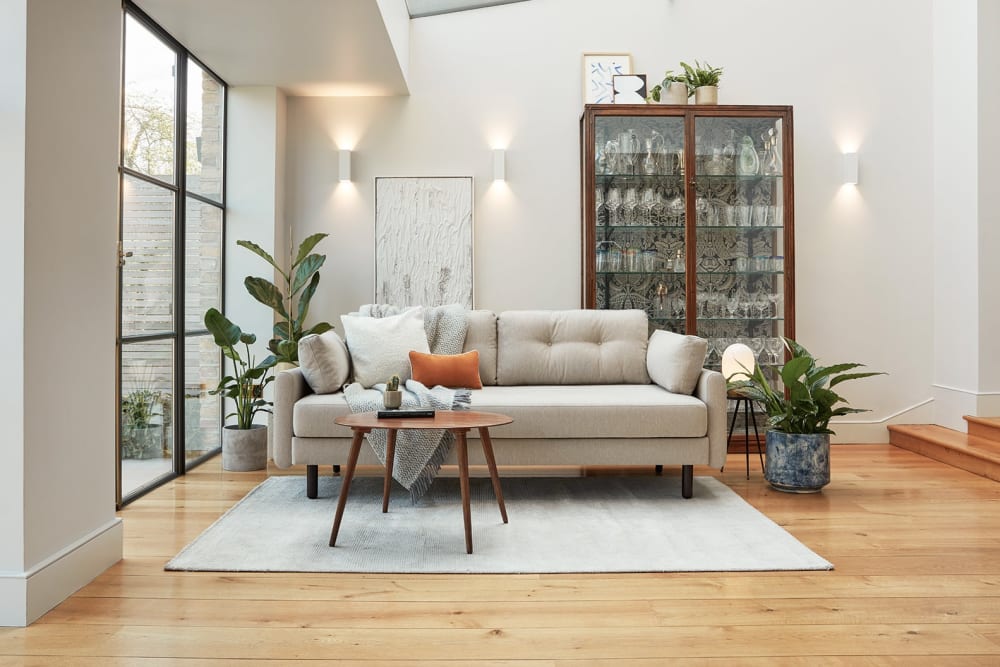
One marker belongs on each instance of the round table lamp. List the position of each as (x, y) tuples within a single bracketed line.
[(735, 359)]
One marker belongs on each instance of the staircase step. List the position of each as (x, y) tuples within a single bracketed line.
[(984, 427), (969, 452)]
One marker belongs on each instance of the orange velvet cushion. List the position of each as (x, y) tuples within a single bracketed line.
[(449, 370)]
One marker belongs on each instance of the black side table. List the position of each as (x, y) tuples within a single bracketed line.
[(748, 416)]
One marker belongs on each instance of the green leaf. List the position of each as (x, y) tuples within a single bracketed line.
[(795, 368), (318, 328), (851, 376), (260, 252), (287, 350), (305, 271), (248, 338), (305, 298), (225, 332), (306, 247), (266, 293), (281, 330)]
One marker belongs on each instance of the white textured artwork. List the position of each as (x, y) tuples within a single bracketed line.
[(423, 241), (598, 70)]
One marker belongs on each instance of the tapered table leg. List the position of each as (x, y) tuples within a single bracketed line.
[(463, 471), (491, 463), (390, 456), (352, 462)]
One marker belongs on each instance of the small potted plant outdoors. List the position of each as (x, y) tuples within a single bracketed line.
[(704, 81), (393, 395), (798, 436), (672, 90), (141, 438), (244, 444)]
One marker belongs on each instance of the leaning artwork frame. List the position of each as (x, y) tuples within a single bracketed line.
[(598, 70), (424, 240)]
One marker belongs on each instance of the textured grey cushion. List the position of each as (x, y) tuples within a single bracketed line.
[(540, 411), (572, 347), (324, 361), (675, 361), (380, 346), (482, 337)]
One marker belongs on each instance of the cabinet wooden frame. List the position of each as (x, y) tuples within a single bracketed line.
[(689, 114)]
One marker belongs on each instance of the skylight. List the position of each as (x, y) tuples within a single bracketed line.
[(419, 8)]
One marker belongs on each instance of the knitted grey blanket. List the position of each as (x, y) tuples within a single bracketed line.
[(419, 453)]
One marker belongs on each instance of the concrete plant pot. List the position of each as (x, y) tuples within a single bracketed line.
[(675, 93), (244, 449), (797, 462), (706, 95), (393, 399)]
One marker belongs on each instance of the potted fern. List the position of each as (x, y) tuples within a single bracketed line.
[(290, 302), (798, 436), (704, 81), (244, 444)]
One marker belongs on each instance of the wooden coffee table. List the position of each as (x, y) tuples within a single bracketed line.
[(458, 422)]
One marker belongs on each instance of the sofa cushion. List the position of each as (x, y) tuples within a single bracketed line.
[(482, 336), (449, 370), (324, 361), (593, 411), (674, 361), (380, 346), (567, 347), (313, 415)]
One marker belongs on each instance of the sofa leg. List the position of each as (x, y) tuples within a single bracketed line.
[(336, 468), (687, 481), (659, 468), (312, 481)]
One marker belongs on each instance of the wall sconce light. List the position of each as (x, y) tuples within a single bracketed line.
[(851, 168), (499, 164), (344, 160)]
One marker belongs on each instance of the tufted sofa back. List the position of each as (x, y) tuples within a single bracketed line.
[(571, 347)]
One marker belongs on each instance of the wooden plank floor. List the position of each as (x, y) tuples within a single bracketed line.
[(916, 545)]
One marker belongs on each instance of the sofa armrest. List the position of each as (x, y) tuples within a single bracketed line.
[(290, 387), (711, 390)]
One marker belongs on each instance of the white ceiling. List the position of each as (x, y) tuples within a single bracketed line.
[(419, 8), (304, 47)]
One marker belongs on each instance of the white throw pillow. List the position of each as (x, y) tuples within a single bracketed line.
[(324, 361), (674, 361), (380, 346)]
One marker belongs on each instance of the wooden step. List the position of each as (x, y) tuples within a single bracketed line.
[(968, 452), (984, 427)]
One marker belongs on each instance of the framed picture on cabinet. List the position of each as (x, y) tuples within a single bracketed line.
[(629, 88), (598, 72)]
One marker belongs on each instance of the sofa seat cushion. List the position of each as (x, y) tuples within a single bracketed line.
[(313, 415), (593, 411)]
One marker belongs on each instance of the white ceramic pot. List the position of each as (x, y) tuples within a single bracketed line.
[(244, 448), (706, 95), (676, 93)]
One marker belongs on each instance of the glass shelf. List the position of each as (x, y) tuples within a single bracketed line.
[(700, 273), (736, 178), (655, 227), (734, 228)]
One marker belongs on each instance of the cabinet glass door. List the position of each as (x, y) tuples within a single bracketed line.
[(639, 216), (740, 242)]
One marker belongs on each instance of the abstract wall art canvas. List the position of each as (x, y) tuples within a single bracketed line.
[(598, 70), (423, 241)]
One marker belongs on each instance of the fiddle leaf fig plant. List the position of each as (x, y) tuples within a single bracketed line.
[(290, 301), (811, 400)]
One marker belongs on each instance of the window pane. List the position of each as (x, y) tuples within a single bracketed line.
[(205, 114), (150, 68), (148, 275), (147, 412), (202, 262), (202, 412)]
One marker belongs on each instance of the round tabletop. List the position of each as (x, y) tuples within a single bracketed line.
[(446, 419)]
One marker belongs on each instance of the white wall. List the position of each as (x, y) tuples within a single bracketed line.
[(510, 77), (396, 18), (254, 202), (13, 40), (70, 532)]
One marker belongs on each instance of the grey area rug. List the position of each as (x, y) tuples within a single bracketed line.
[(576, 524)]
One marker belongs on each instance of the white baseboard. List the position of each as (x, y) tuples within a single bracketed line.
[(874, 430), (26, 596)]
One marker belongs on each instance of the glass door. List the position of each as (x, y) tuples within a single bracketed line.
[(170, 258)]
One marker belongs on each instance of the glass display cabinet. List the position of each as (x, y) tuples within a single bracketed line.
[(688, 215)]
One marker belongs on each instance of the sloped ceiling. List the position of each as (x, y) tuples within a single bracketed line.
[(304, 47)]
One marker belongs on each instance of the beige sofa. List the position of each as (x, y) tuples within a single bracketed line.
[(576, 383)]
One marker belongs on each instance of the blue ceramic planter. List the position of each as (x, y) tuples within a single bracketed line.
[(796, 462)]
